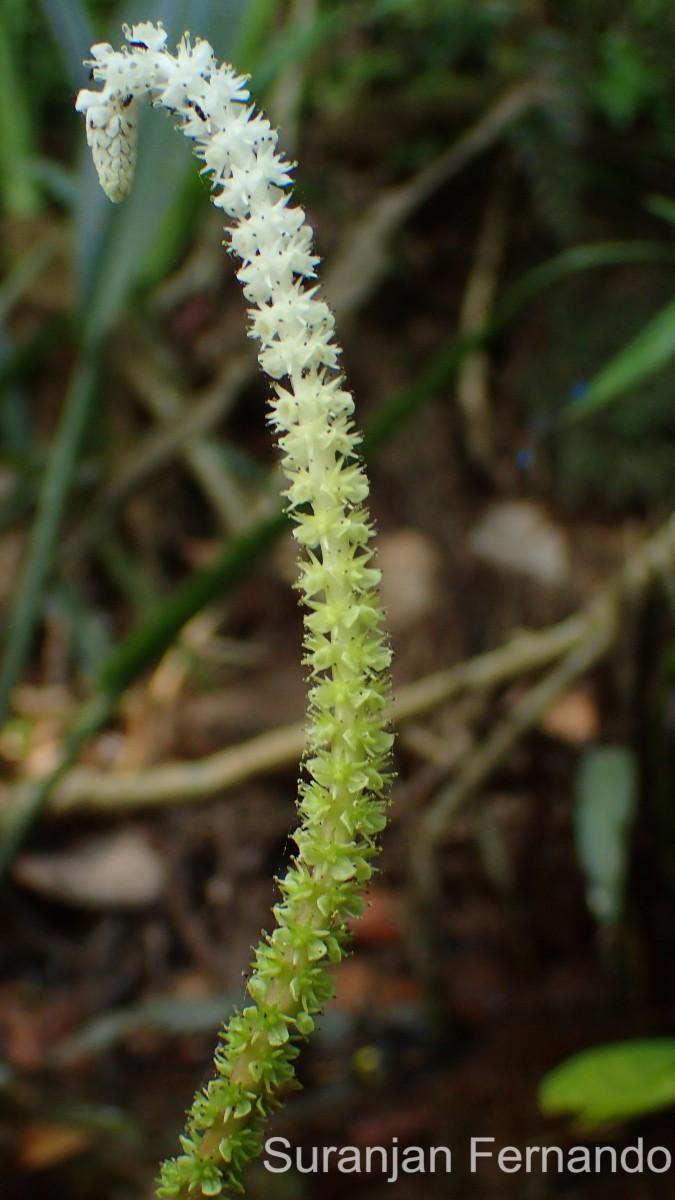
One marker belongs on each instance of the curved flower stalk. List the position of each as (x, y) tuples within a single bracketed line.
[(341, 794)]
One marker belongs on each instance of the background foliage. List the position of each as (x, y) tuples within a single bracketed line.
[(143, 569)]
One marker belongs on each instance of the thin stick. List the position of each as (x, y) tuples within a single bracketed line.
[(597, 631), (86, 788)]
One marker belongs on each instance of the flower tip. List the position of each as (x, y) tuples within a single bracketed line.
[(85, 98), (145, 35)]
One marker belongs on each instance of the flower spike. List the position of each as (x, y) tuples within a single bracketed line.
[(342, 791)]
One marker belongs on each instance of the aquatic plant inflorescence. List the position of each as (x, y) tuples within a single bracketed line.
[(343, 786)]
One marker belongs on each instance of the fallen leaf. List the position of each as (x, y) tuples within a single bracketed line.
[(381, 922), (520, 538), (43, 1145), (574, 718), (361, 987), (114, 870), (410, 563)]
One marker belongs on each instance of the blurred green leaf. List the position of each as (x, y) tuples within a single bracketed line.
[(396, 412), (605, 802), (611, 1083), (255, 31), (19, 194), (55, 488), (572, 262), (73, 34), (625, 83), (111, 256), (20, 361), (7, 1077), (82, 626), (24, 271), (137, 651), (157, 632), (661, 206), (168, 1015), (293, 46), (650, 350)]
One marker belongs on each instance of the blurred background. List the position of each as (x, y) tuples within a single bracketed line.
[(492, 188)]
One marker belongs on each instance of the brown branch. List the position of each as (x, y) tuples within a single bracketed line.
[(472, 388), (361, 261), (597, 628), (526, 652), (173, 783)]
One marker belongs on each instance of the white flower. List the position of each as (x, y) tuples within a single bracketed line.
[(340, 794), (145, 35), (112, 134)]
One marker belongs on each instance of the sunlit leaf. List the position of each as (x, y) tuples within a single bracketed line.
[(614, 1082)]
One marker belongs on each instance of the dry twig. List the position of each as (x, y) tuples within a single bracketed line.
[(597, 627), (575, 644), (473, 375)]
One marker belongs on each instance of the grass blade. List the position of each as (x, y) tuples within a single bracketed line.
[(141, 648), (72, 32), (40, 553), (651, 349)]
